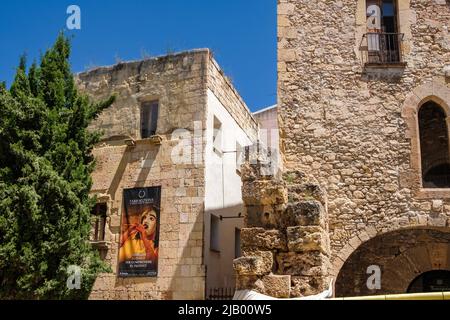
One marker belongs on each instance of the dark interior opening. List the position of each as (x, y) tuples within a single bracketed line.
[(432, 281), (434, 146)]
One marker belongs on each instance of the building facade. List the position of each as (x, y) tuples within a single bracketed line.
[(364, 97), (175, 132)]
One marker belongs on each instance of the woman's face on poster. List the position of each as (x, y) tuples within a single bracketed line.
[(149, 222)]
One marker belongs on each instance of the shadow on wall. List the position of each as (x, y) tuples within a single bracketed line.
[(221, 247)]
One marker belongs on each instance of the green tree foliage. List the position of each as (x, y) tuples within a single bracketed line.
[(45, 179)]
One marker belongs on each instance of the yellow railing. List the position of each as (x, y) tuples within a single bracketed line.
[(412, 296)]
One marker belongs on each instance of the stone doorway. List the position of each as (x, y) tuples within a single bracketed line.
[(407, 260)]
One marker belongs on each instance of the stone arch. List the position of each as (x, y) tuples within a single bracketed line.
[(371, 232), (402, 255), (430, 91), (438, 93)]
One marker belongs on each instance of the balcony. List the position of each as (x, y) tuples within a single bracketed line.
[(382, 54)]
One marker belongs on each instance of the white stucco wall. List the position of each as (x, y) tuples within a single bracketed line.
[(268, 125), (222, 193)]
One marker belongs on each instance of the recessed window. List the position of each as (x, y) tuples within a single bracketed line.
[(149, 119), (215, 234), (98, 222), (237, 243), (239, 156), (217, 136), (434, 146), (383, 37)]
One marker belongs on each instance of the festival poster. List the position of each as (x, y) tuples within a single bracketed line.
[(138, 248)]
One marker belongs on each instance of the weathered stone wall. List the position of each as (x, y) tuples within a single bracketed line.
[(357, 136), (285, 245), (178, 82), (181, 273)]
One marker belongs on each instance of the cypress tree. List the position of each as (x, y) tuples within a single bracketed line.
[(46, 164)]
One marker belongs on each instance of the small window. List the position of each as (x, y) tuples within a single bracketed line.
[(239, 157), (237, 243), (149, 119), (214, 237), (217, 136), (98, 222)]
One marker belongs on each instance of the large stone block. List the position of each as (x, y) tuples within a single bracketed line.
[(293, 177), (254, 263), (246, 282), (307, 286), (259, 238), (268, 217), (302, 264), (265, 192), (305, 192), (309, 238), (275, 286), (305, 213)]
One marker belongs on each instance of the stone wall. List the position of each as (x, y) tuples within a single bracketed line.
[(181, 273), (178, 82), (285, 245), (355, 135)]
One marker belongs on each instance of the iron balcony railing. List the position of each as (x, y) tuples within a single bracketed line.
[(382, 48)]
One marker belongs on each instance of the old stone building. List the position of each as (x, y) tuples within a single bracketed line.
[(364, 107), (176, 131)]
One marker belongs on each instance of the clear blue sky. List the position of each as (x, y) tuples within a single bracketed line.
[(241, 33)]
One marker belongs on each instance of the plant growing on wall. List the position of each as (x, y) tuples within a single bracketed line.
[(45, 179)]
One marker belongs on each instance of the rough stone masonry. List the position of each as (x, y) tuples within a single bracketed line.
[(351, 147)]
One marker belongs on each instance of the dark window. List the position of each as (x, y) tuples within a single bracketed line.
[(99, 222), (237, 243), (214, 237), (149, 119), (434, 146)]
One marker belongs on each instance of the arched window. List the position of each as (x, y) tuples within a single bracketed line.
[(434, 146)]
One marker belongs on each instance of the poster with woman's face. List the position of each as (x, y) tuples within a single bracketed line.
[(138, 247)]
